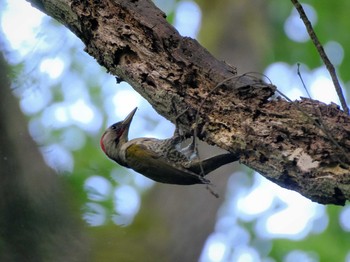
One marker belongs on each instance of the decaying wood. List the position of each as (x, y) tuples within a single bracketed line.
[(279, 139)]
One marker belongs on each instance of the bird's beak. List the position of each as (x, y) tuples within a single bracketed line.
[(128, 119)]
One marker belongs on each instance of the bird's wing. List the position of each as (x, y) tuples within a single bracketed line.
[(158, 168)]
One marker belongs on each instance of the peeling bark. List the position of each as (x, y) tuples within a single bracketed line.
[(281, 140)]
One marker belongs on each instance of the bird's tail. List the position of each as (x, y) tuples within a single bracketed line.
[(210, 164)]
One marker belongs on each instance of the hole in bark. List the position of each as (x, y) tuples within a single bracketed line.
[(338, 194), (124, 52), (263, 159), (94, 24), (143, 77), (279, 138), (148, 80)]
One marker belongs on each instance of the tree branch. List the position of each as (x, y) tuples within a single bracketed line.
[(322, 54), (280, 140)]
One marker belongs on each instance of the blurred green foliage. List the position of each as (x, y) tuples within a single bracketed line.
[(332, 25)]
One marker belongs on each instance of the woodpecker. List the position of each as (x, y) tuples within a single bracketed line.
[(161, 160)]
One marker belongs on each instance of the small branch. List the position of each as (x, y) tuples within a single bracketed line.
[(322, 53)]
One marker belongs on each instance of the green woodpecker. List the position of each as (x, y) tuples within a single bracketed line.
[(160, 160)]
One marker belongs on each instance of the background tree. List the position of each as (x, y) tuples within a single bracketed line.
[(36, 221)]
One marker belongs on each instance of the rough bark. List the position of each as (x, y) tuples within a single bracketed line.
[(281, 140)]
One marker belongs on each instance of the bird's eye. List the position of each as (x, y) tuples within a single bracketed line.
[(113, 127)]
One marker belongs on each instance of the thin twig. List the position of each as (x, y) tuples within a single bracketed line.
[(302, 81), (323, 54)]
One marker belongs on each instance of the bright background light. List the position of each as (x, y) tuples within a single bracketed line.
[(274, 212)]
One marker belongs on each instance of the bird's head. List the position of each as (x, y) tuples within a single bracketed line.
[(115, 136)]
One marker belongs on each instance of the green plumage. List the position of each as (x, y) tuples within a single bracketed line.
[(160, 160)]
